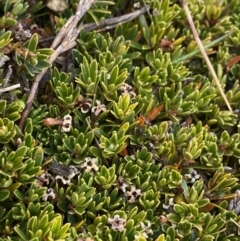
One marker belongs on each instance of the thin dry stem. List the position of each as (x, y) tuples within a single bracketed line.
[(10, 88), (235, 222), (106, 24), (203, 52), (113, 22)]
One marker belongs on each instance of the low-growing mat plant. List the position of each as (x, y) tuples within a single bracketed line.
[(119, 120)]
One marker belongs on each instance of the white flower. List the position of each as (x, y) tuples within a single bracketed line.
[(49, 193), (127, 89), (73, 171), (170, 204), (86, 105), (98, 108), (147, 229), (137, 5), (65, 180), (67, 123), (90, 164), (193, 175), (117, 223), (133, 194), (122, 184)]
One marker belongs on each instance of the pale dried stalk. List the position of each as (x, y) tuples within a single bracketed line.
[(9, 88), (231, 219), (64, 41), (106, 24), (203, 52), (113, 22)]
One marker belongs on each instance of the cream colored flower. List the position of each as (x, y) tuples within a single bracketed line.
[(117, 223)]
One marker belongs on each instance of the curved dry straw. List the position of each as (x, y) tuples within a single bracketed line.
[(203, 52)]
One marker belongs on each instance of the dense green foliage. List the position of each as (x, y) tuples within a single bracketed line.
[(128, 137)]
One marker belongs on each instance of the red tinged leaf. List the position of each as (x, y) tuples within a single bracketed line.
[(232, 61), (141, 120), (154, 113), (207, 208), (123, 152)]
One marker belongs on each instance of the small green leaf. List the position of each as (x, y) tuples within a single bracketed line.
[(32, 45), (3, 104), (4, 194), (11, 22), (63, 231), (145, 28), (19, 195), (38, 156), (5, 39), (160, 238), (20, 153), (21, 233)]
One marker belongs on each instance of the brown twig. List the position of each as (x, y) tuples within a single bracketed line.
[(113, 22), (203, 52), (106, 24), (64, 41)]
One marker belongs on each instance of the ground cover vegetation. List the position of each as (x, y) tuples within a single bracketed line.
[(111, 125)]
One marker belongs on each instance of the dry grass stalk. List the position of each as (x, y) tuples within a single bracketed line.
[(204, 54)]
